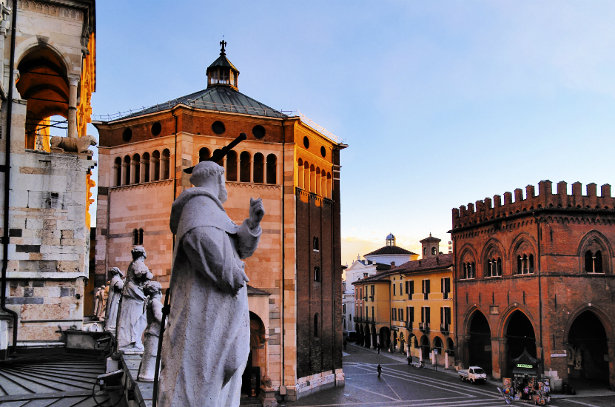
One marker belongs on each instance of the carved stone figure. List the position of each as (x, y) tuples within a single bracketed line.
[(99, 311), (115, 293), (73, 144), (153, 290), (132, 320), (206, 347), (96, 300), (578, 358)]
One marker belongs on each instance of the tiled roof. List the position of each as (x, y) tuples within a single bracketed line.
[(216, 98), (389, 250), (414, 266)]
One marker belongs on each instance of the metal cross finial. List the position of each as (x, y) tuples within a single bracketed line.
[(222, 44)]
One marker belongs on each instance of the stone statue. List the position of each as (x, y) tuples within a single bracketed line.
[(115, 293), (96, 301), (578, 358), (99, 311), (153, 290), (207, 343), (132, 320)]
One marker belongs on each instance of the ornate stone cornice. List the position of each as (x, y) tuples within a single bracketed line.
[(63, 11), (141, 185), (252, 186)]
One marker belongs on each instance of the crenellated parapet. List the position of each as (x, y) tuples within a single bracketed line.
[(489, 209)]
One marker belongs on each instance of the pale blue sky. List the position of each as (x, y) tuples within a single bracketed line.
[(441, 103)]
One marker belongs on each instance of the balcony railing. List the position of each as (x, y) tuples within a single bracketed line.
[(444, 328), (424, 326)]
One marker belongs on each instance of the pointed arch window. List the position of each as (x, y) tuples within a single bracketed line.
[(593, 262)]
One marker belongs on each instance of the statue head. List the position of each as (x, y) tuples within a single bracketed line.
[(209, 175), (152, 288), (138, 251), (116, 271)]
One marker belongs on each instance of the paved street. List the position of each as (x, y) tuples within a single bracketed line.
[(402, 385)]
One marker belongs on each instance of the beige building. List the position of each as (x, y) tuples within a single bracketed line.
[(287, 161), (49, 52)]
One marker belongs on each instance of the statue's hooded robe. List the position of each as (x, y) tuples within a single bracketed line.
[(207, 342)]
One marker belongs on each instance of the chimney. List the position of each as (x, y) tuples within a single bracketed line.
[(392, 264)]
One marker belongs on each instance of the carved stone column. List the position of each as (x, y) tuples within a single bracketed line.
[(72, 106)]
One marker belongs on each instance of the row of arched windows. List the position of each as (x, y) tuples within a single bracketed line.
[(313, 179), (591, 256), (141, 168), (246, 167)]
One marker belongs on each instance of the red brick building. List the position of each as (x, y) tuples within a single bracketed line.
[(537, 274)]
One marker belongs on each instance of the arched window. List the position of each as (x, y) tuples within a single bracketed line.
[(204, 154), (300, 183), (117, 171), (306, 176), (315, 245), (317, 181), (126, 170), (220, 162), (244, 167), (156, 165), (323, 184), (166, 157), (136, 169), (312, 178), (259, 168), (316, 273), (593, 262), (524, 253), (329, 190), (231, 166), (272, 168), (316, 326), (433, 251), (145, 167), (135, 237)]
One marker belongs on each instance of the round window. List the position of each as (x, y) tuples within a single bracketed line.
[(127, 134), (323, 151), (156, 128), (306, 142), (218, 127), (258, 131)]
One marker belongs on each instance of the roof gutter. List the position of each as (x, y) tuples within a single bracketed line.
[(7, 180)]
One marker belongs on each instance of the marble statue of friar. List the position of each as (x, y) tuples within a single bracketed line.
[(207, 342), (116, 285)]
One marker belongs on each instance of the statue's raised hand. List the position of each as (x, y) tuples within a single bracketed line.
[(257, 211)]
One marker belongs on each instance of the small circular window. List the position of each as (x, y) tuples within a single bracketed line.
[(127, 134), (156, 128), (323, 151), (218, 127), (258, 131), (306, 142)]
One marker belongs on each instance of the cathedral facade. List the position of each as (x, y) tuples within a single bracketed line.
[(289, 163)]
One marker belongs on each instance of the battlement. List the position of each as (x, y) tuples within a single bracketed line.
[(493, 209)]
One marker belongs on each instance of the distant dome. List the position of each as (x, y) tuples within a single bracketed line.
[(390, 236), (390, 240)]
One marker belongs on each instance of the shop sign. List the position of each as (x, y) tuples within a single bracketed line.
[(525, 366)]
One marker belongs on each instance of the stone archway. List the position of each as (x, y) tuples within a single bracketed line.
[(367, 336), (257, 360), (385, 338), (588, 349), (479, 344), (519, 337), (425, 347)]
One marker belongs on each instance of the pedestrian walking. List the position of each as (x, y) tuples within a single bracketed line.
[(379, 370)]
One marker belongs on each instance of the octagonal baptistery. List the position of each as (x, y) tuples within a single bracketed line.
[(285, 161)]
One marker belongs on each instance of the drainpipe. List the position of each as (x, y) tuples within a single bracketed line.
[(7, 179), (283, 255)]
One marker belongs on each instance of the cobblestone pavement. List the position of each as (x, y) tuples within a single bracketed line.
[(401, 385)]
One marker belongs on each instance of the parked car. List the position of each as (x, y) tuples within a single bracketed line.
[(474, 374)]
